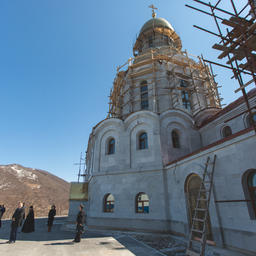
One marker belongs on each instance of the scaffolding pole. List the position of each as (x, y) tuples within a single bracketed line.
[(237, 42)]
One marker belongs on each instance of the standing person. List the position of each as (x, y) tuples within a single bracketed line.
[(2, 211), (80, 221), (16, 221), (51, 215), (24, 212), (23, 217), (29, 224)]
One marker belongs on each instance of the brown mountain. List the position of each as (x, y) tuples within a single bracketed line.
[(34, 187)]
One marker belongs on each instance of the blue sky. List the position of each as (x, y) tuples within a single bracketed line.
[(58, 60)]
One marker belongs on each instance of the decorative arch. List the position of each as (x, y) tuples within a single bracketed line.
[(142, 203), (106, 125), (108, 203), (176, 118), (192, 187), (103, 135), (249, 187), (145, 117)]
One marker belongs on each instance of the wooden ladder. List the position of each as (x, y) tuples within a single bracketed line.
[(199, 223)]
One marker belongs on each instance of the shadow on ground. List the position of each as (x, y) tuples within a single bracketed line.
[(61, 243), (41, 233)]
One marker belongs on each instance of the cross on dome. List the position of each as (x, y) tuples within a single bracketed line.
[(153, 10)]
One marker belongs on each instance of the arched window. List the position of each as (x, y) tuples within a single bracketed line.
[(175, 139), (226, 131), (143, 141), (144, 95), (111, 146), (166, 39), (249, 187), (252, 189), (185, 94), (249, 121), (142, 203), (108, 203), (192, 187)]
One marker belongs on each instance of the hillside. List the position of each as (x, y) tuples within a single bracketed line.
[(34, 187)]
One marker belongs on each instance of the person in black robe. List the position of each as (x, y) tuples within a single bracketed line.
[(51, 215), (2, 211), (29, 224), (23, 214), (23, 218), (17, 218), (80, 221)]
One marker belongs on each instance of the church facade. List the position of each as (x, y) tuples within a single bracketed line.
[(146, 160)]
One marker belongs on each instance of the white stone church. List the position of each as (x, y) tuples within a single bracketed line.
[(145, 161)]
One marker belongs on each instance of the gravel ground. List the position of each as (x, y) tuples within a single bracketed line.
[(165, 244)]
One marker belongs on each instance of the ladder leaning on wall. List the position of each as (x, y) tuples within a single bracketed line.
[(199, 223)]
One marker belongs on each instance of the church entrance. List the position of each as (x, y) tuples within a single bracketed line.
[(192, 187)]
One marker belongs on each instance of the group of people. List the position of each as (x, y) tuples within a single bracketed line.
[(29, 224), (17, 221)]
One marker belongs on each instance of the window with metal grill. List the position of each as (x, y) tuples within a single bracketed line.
[(144, 94), (185, 95)]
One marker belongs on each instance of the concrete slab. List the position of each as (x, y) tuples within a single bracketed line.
[(59, 243)]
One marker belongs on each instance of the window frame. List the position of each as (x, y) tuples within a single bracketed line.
[(175, 139), (224, 130), (137, 201), (185, 96), (144, 95), (150, 41), (249, 198), (166, 39), (111, 148), (248, 122), (107, 203), (142, 140), (252, 189)]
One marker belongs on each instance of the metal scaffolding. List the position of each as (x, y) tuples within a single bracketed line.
[(81, 169), (236, 30), (192, 71)]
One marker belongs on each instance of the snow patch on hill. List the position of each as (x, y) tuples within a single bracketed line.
[(21, 173), (5, 186)]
